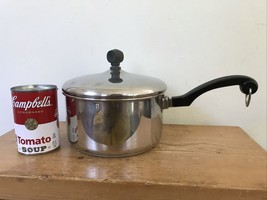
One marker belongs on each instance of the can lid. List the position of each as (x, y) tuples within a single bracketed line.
[(113, 84), (33, 88)]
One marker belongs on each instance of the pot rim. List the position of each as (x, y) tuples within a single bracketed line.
[(113, 97)]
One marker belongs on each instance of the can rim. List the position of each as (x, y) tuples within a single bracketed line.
[(33, 88)]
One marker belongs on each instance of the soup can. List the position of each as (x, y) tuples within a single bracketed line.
[(35, 114)]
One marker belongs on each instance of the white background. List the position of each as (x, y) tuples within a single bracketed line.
[(185, 43)]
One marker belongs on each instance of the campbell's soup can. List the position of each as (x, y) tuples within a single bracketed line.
[(35, 118)]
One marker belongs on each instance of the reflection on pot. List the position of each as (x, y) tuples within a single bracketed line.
[(72, 119), (113, 123)]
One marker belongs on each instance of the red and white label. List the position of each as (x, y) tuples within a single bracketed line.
[(36, 121)]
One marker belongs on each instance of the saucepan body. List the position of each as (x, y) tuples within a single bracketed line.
[(114, 128)]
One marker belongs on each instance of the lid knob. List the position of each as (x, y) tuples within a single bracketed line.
[(115, 57)]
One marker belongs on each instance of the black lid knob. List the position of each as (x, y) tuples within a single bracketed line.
[(115, 57)]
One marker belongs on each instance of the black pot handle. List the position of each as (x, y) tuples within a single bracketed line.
[(247, 85)]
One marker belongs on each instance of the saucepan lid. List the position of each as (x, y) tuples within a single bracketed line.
[(114, 84)]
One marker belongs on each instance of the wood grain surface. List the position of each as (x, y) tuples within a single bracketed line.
[(191, 162)]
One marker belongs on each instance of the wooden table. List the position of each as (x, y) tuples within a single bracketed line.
[(191, 162)]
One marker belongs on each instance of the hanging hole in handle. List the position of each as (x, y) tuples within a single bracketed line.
[(248, 97)]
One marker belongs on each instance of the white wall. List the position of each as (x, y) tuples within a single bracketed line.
[(184, 43)]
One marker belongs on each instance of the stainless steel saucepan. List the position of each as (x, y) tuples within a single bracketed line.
[(116, 113)]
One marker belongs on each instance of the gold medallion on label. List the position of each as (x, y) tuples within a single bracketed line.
[(31, 124)]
